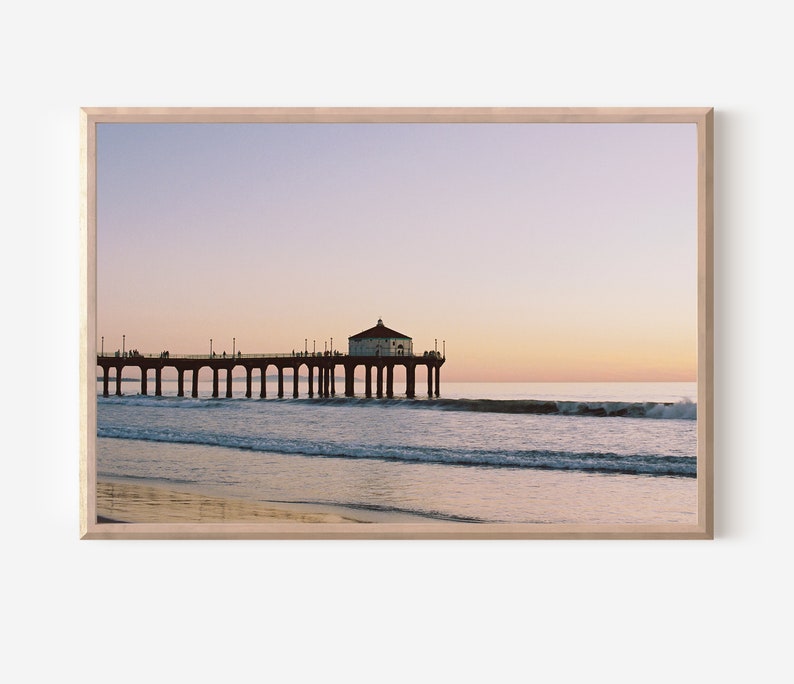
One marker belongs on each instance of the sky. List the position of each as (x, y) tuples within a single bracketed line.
[(530, 252)]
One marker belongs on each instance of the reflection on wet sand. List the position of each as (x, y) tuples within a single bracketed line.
[(135, 503)]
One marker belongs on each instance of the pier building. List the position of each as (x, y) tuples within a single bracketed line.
[(380, 341)]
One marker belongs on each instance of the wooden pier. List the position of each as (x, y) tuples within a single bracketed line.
[(321, 367)]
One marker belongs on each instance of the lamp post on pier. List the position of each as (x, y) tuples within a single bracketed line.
[(305, 346), (210, 347), (103, 345), (123, 342), (234, 345)]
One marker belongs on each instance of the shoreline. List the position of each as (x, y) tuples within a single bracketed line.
[(122, 501)]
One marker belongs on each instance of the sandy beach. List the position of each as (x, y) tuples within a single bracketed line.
[(137, 503)]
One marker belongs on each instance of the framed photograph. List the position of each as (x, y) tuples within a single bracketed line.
[(397, 323)]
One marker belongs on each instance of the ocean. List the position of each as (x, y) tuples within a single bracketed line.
[(576, 453)]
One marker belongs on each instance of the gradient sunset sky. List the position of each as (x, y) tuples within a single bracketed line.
[(538, 252)]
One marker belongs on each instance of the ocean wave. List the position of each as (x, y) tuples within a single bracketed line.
[(433, 514), (202, 403), (684, 409), (644, 464)]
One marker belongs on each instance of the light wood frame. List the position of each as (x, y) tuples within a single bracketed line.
[(702, 117)]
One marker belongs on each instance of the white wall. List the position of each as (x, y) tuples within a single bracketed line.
[(383, 347), (395, 611)]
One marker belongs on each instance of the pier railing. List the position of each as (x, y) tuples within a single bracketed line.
[(238, 355), (268, 355)]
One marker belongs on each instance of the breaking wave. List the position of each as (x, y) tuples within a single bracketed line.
[(683, 409), (680, 410), (681, 466)]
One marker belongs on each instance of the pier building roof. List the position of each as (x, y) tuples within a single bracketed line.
[(379, 331)]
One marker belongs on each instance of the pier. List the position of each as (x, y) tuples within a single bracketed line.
[(319, 368)]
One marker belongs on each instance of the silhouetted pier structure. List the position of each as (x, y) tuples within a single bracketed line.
[(323, 367)]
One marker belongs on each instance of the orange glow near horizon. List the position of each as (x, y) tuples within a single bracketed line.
[(575, 360)]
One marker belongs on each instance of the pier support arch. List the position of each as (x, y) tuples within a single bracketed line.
[(105, 379), (410, 380), (263, 380)]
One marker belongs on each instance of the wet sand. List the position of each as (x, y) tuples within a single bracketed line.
[(137, 503)]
